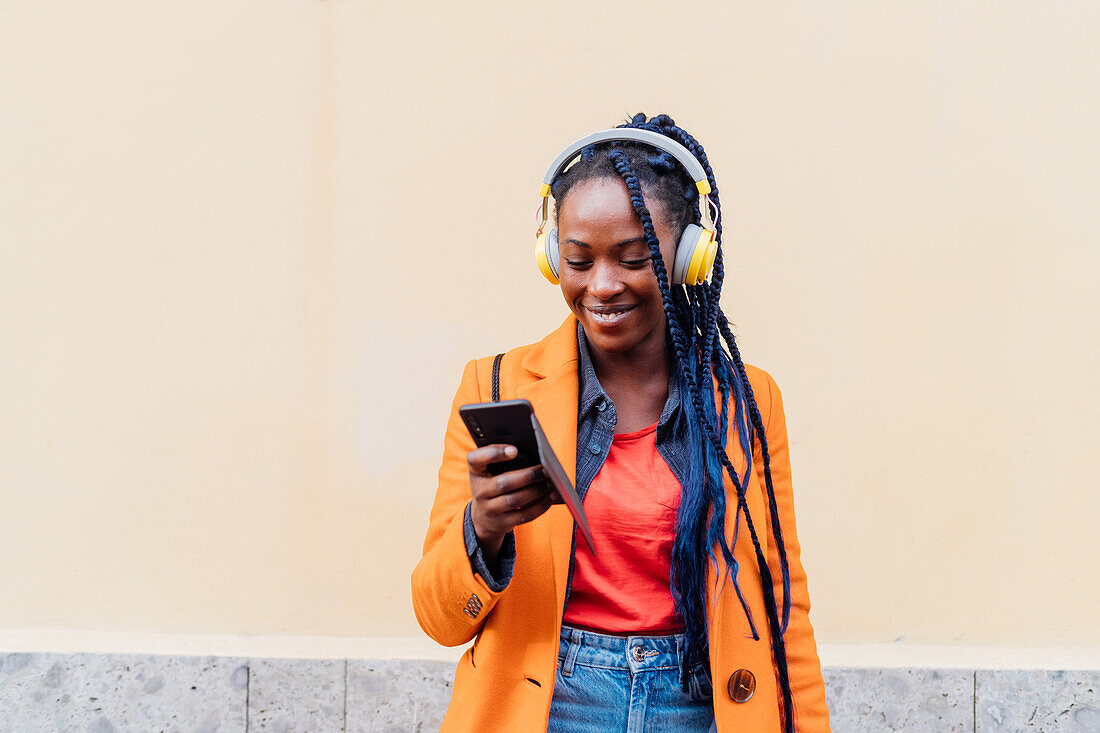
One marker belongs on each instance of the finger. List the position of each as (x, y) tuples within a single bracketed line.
[(553, 494), (547, 487), (515, 500), (510, 481), (479, 459), (534, 510)]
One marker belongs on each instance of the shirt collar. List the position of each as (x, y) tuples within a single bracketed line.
[(591, 391)]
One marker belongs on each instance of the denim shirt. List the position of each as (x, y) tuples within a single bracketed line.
[(596, 419)]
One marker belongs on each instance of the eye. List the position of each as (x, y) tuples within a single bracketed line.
[(578, 264), (636, 263)]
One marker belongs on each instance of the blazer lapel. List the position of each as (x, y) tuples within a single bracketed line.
[(553, 395)]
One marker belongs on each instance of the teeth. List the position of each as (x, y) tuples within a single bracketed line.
[(612, 317)]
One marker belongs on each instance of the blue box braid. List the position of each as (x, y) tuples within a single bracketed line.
[(665, 125)]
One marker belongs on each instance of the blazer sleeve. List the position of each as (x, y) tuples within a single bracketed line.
[(450, 600), (803, 665)]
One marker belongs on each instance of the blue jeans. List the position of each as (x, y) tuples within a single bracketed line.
[(622, 683)]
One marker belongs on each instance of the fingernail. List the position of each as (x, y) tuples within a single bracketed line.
[(510, 451)]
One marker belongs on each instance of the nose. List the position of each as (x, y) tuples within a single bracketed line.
[(606, 281)]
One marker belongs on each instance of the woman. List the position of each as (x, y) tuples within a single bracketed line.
[(694, 613)]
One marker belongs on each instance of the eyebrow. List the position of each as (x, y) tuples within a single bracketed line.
[(623, 243)]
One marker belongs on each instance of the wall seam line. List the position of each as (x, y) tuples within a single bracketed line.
[(974, 701)]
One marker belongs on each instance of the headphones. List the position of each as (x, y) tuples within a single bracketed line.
[(697, 247)]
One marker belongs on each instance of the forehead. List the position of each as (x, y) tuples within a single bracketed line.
[(596, 203), (604, 202)]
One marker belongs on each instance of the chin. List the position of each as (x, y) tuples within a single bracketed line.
[(612, 346), (623, 336), (612, 343)]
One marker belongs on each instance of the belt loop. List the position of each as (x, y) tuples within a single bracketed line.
[(571, 653)]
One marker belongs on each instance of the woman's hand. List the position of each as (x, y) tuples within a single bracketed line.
[(502, 502)]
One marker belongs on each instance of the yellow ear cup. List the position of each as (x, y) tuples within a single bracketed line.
[(708, 259), (542, 258), (695, 273)]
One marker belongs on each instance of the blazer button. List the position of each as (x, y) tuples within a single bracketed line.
[(741, 685)]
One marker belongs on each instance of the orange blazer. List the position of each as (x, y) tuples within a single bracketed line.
[(505, 680)]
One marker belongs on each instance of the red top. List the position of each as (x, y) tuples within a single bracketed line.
[(631, 508)]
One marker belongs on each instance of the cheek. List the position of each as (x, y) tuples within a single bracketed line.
[(569, 288), (646, 286)]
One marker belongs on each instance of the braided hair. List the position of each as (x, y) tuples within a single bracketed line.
[(705, 352)]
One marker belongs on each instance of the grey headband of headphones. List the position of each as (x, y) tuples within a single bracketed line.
[(657, 140)]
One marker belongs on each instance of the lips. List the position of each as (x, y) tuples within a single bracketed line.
[(609, 315)]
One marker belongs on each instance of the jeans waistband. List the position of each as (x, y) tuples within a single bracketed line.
[(636, 653)]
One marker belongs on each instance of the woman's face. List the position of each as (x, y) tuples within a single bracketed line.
[(605, 269)]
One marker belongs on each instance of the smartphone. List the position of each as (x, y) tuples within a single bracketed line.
[(513, 422), (503, 422)]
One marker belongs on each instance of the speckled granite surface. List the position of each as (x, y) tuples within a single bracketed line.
[(296, 694), (900, 699), (100, 693), (397, 696), (105, 693), (1037, 701)]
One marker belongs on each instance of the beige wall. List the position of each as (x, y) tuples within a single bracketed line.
[(247, 247)]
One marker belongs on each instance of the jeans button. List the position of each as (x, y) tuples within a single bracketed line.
[(639, 654)]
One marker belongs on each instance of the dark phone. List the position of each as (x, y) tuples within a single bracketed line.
[(503, 422)]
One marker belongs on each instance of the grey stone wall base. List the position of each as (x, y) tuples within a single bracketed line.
[(296, 694), (398, 696), (104, 693), (1029, 701), (900, 699), (100, 693)]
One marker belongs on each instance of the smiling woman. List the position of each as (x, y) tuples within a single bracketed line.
[(607, 279), (695, 614)]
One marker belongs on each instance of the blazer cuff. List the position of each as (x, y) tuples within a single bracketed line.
[(496, 578)]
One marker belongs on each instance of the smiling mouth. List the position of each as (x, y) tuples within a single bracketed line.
[(610, 316)]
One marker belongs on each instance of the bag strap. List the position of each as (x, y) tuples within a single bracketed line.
[(496, 377)]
